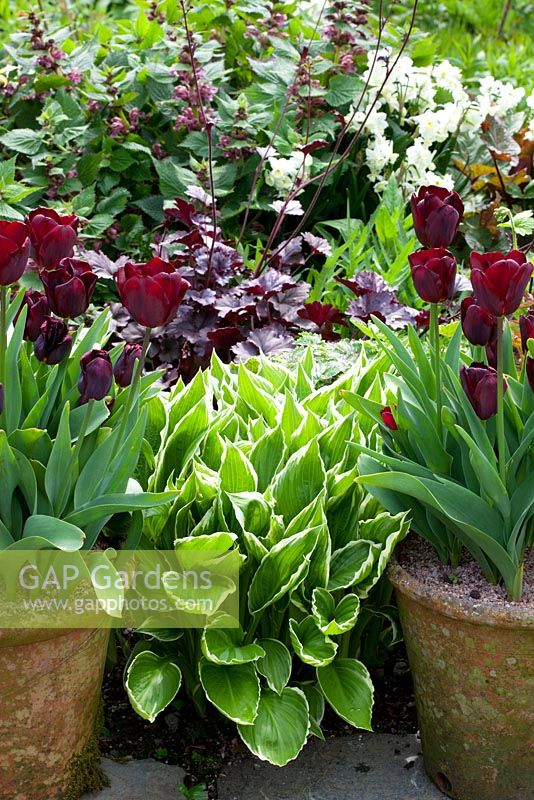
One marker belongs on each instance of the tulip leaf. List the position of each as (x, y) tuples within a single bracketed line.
[(12, 384), (348, 689), (152, 682), (281, 727), (109, 504), (58, 477), (57, 532)]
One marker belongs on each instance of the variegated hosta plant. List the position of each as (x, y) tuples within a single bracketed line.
[(261, 461)]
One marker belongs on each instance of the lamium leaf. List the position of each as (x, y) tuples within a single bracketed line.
[(281, 727), (152, 682)]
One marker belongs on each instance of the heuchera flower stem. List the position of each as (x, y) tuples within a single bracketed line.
[(500, 401), (436, 355)]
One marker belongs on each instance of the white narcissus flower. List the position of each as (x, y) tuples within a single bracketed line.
[(379, 154), (283, 171), (418, 155), (431, 127), (530, 100), (376, 124)]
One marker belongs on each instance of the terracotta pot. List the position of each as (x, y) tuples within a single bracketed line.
[(50, 696), (473, 671)]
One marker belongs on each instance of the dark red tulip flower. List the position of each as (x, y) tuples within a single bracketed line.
[(499, 280), (151, 292), (52, 236), (529, 368), (479, 382), (70, 287), (38, 310), (96, 376), (54, 342), (433, 274), (478, 326), (526, 329), (388, 419), (491, 352), (124, 365), (436, 213), (14, 251)]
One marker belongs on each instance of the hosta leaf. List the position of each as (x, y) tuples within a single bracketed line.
[(252, 511), (152, 683), (331, 619), (300, 481), (237, 473), (316, 705), (234, 690), (352, 564), (348, 688), (386, 531), (266, 456), (275, 665), (281, 727), (282, 569), (310, 644), (225, 646)]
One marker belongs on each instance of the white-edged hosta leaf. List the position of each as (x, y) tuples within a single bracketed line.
[(316, 705), (352, 563), (225, 646), (237, 473), (152, 683), (282, 569), (299, 482), (348, 689), (331, 619), (310, 644), (281, 727), (275, 665), (234, 690)]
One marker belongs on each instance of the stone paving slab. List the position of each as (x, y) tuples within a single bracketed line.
[(140, 780), (358, 767)]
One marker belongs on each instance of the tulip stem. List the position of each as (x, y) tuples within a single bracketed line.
[(133, 389), (500, 401), (3, 335), (436, 355)]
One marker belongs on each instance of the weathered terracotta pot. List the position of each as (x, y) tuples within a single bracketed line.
[(473, 672), (50, 696)]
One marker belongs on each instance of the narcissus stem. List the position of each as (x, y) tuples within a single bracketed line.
[(436, 357), (500, 401)]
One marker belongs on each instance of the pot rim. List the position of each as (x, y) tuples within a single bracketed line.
[(16, 637), (466, 609)]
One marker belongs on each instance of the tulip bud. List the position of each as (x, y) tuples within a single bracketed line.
[(54, 342), (433, 274), (478, 326), (14, 251), (96, 376), (70, 287), (151, 292), (526, 328), (499, 280), (529, 369), (124, 366), (388, 419), (52, 236), (479, 382), (436, 213), (38, 311)]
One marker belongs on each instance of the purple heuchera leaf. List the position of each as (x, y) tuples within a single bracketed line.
[(269, 340), (101, 265), (289, 253), (196, 193), (317, 245), (286, 305), (366, 281), (270, 283), (384, 306)]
